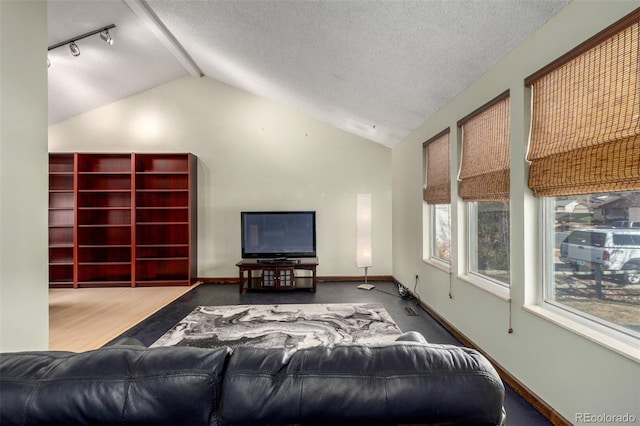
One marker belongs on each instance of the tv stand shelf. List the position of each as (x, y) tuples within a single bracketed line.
[(276, 275), (279, 261)]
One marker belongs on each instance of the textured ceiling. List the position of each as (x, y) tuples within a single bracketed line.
[(102, 74), (377, 69)]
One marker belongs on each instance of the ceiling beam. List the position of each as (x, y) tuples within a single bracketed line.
[(142, 9)]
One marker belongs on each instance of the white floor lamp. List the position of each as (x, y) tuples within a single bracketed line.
[(363, 238)]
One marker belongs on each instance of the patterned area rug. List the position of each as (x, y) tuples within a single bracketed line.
[(287, 326)]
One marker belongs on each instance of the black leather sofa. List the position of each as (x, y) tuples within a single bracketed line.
[(407, 382)]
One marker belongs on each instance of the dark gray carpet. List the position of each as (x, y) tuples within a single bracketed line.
[(519, 412)]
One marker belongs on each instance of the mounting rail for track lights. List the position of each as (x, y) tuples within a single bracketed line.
[(75, 50)]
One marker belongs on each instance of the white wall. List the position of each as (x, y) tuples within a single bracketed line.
[(24, 275), (252, 155), (571, 373)]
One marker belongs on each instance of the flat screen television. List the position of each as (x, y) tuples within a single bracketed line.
[(278, 234)]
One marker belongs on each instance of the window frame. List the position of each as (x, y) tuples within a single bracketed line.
[(429, 237), (609, 338), (471, 275), (547, 207), (543, 305)]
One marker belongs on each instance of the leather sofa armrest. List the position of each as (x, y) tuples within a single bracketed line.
[(112, 385)]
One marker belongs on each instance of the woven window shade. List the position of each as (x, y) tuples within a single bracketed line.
[(585, 124), (437, 188), (484, 171)]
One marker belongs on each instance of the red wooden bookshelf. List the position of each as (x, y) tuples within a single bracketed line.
[(61, 220), (122, 219)]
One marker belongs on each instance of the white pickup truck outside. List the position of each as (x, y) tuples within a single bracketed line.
[(614, 251)]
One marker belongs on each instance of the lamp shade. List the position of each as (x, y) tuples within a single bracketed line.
[(363, 226)]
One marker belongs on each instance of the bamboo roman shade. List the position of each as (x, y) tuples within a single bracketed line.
[(585, 124), (437, 187), (484, 171)]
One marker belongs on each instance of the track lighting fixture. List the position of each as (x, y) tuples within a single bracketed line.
[(75, 50), (104, 34)]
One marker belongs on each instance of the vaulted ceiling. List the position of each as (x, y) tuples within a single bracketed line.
[(377, 69)]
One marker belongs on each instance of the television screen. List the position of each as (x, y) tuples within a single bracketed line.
[(278, 234)]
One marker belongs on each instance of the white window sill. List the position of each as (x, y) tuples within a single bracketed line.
[(444, 266), (500, 291), (617, 342)]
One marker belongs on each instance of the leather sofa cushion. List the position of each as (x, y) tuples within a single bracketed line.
[(114, 385), (400, 383)]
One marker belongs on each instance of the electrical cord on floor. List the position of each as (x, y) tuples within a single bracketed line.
[(415, 297), (386, 292), (415, 292)]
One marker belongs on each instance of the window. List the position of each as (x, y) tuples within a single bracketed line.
[(441, 232), (489, 240), (437, 194), (484, 185), (594, 268), (584, 151)]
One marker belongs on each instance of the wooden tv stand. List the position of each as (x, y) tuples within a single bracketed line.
[(277, 274)]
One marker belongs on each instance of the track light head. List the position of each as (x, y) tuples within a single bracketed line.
[(104, 34), (75, 50)]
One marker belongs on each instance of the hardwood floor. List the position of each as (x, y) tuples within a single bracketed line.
[(87, 318)]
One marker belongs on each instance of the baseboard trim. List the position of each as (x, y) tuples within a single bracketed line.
[(320, 279), (359, 278), (520, 388), (219, 280)]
